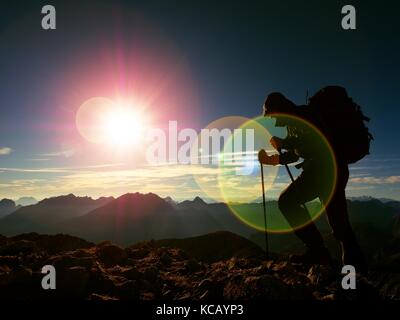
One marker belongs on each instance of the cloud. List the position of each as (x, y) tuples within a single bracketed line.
[(376, 180), (64, 153), (38, 159), (42, 170), (62, 169), (5, 151)]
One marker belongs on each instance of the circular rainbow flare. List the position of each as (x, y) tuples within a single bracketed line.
[(240, 185), (223, 155)]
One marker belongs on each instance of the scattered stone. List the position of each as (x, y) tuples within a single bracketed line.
[(21, 275), (127, 290), (132, 273), (10, 260), (69, 260), (165, 259), (99, 297), (111, 254), (73, 282), (138, 253), (328, 297), (18, 247), (147, 272), (321, 275), (151, 273), (192, 265)]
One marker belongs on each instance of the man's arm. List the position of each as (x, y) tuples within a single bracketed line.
[(288, 143), (288, 157), (275, 159)]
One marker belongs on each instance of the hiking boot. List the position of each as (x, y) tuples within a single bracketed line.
[(352, 255), (313, 256)]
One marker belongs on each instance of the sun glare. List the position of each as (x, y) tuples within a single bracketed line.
[(103, 121), (123, 126)]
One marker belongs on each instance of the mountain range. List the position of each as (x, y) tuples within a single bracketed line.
[(136, 217), (150, 247), (7, 207), (48, 214)]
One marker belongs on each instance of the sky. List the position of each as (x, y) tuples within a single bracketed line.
[(193, 62)]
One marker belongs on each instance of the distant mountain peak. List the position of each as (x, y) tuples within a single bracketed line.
[(7, 206), (26, 201), (7, 203), (140, 196), (199, 201), (137, 200), (62, 199)]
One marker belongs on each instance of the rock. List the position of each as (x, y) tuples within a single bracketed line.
[(99, 297), (284, 267), (146, 272), (73, 282), (365, 291), (263, 287), (328, 297), (3, 240), (297, 279), (84, 253), (209, 289), (232, 263), (168, 295), (127, 290), (111, 254), (151, 273), (9, 260), (391, 287), (192, 265), (205, 284), (185, 297), (5, 278), (321, 275), (165, 259), (18, 247), (131, 273), (69, 260), (100, 281), (241, 263), (14, 279), (54, 244), (179, 254), (264, 268), (21, 275), (148, 296), (137, 253)]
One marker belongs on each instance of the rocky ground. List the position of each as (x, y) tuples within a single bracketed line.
[(147, 271)]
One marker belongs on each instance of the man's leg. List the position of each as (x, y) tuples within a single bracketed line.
[(336, 210), (291, 203)]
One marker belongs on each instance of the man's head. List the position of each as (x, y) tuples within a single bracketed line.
[(275, 104)]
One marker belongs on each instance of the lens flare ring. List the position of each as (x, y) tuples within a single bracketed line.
[(231, 187)]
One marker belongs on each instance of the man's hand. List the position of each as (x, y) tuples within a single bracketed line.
[(264, 158), (276, 143)]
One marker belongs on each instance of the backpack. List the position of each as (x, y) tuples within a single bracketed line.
[(342, 122)]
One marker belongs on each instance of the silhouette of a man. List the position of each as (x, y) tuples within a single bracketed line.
[(309, 186)]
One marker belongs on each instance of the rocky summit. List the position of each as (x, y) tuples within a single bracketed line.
[(156, 270)]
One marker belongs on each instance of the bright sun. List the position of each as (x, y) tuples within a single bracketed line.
[(103, 121), (123, 126)]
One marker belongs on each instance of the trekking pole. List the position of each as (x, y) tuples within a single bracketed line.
[(286, 166), (265, 209), (292, 179)]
